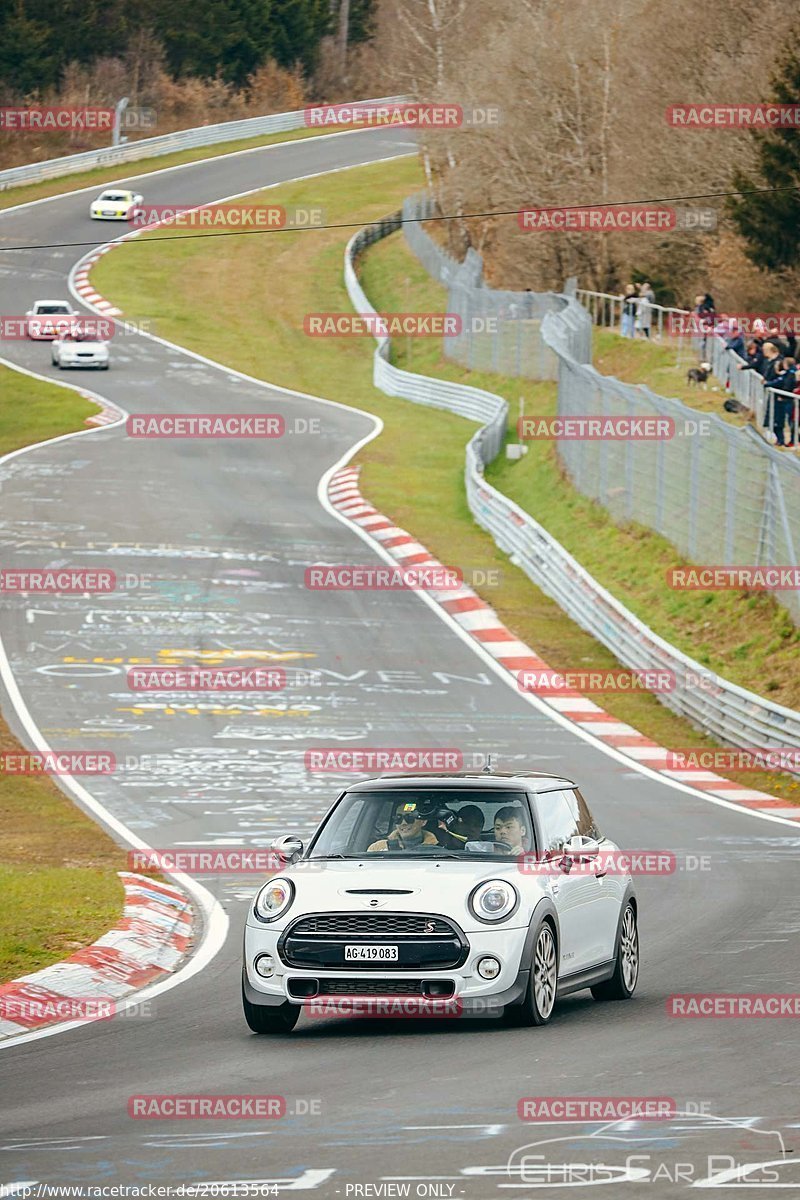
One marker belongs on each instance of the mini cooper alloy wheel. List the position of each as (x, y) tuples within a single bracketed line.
[(544, 973)]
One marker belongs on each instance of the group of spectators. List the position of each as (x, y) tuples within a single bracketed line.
[(772, 357)]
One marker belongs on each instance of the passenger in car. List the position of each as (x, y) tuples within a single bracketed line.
[(470, 823), (461, 827), (408, 833)]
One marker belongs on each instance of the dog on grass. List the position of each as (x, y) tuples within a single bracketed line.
[(699, 374)]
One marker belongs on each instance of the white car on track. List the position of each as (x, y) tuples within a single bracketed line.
[(77, 350), (115, 204), (49, 317), (487, 894)]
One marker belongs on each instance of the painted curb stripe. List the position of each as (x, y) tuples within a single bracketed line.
[(153, 935)]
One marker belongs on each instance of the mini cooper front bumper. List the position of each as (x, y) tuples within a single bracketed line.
[(437, 963)]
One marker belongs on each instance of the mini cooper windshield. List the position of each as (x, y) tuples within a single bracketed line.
[(458, 823)]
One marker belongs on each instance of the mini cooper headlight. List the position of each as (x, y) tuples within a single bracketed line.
[(493, 900), (274, 899)]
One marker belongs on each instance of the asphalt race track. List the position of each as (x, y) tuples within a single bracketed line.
[(221, 532)]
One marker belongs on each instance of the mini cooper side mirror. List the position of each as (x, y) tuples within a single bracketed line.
[(289, 847), (581, 849)]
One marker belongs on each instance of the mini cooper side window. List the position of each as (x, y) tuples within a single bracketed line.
[(347, 825), (587, 826), (559, 817)]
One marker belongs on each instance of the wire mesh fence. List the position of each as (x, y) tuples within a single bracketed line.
[(719, 493), (500, 331), (728, 712)]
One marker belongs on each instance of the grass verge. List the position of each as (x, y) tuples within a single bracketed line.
[(32, 410), (414, 471), (662, 368), (57, 867)]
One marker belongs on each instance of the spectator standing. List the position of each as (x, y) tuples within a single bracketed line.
[(753, 356), (704, 312), (647, 299), (769, 371), (783, 406), (795, 417), (630, 303), (735, 340), (770, 363)]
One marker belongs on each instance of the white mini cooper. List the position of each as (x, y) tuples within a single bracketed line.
[(467, 894)]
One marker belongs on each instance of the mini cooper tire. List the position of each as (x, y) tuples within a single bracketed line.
[(540, 997), (270, 1018), (622, 983)]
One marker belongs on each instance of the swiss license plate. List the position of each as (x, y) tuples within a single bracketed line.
[(370, 953)]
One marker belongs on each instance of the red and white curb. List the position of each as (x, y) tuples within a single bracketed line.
[(481, 622), (109, 414), (150, 941), (86, 290)]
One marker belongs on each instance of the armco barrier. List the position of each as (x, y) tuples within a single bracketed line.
[(727, 712), (167, 143), (474, 403)]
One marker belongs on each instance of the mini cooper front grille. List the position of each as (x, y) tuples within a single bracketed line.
[(372, 924), (370, 987)]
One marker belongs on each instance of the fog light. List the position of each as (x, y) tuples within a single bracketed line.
[(265, 966), (488, 968)]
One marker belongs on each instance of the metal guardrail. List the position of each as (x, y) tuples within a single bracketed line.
[(167, 143), (724, 710), (470, 402)]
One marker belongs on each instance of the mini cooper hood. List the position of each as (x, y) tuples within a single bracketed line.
[(382, 885), (82, 347)]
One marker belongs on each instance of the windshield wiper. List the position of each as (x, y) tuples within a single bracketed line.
[(318, 857), (406, 854)]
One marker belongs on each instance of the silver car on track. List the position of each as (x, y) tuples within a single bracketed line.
[(449, 895)]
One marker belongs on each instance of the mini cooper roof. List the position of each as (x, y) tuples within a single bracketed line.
[(532, 781)]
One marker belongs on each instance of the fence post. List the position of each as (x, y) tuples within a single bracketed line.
[(691, 533), (730, 502), (629, 479), (660, 467)]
